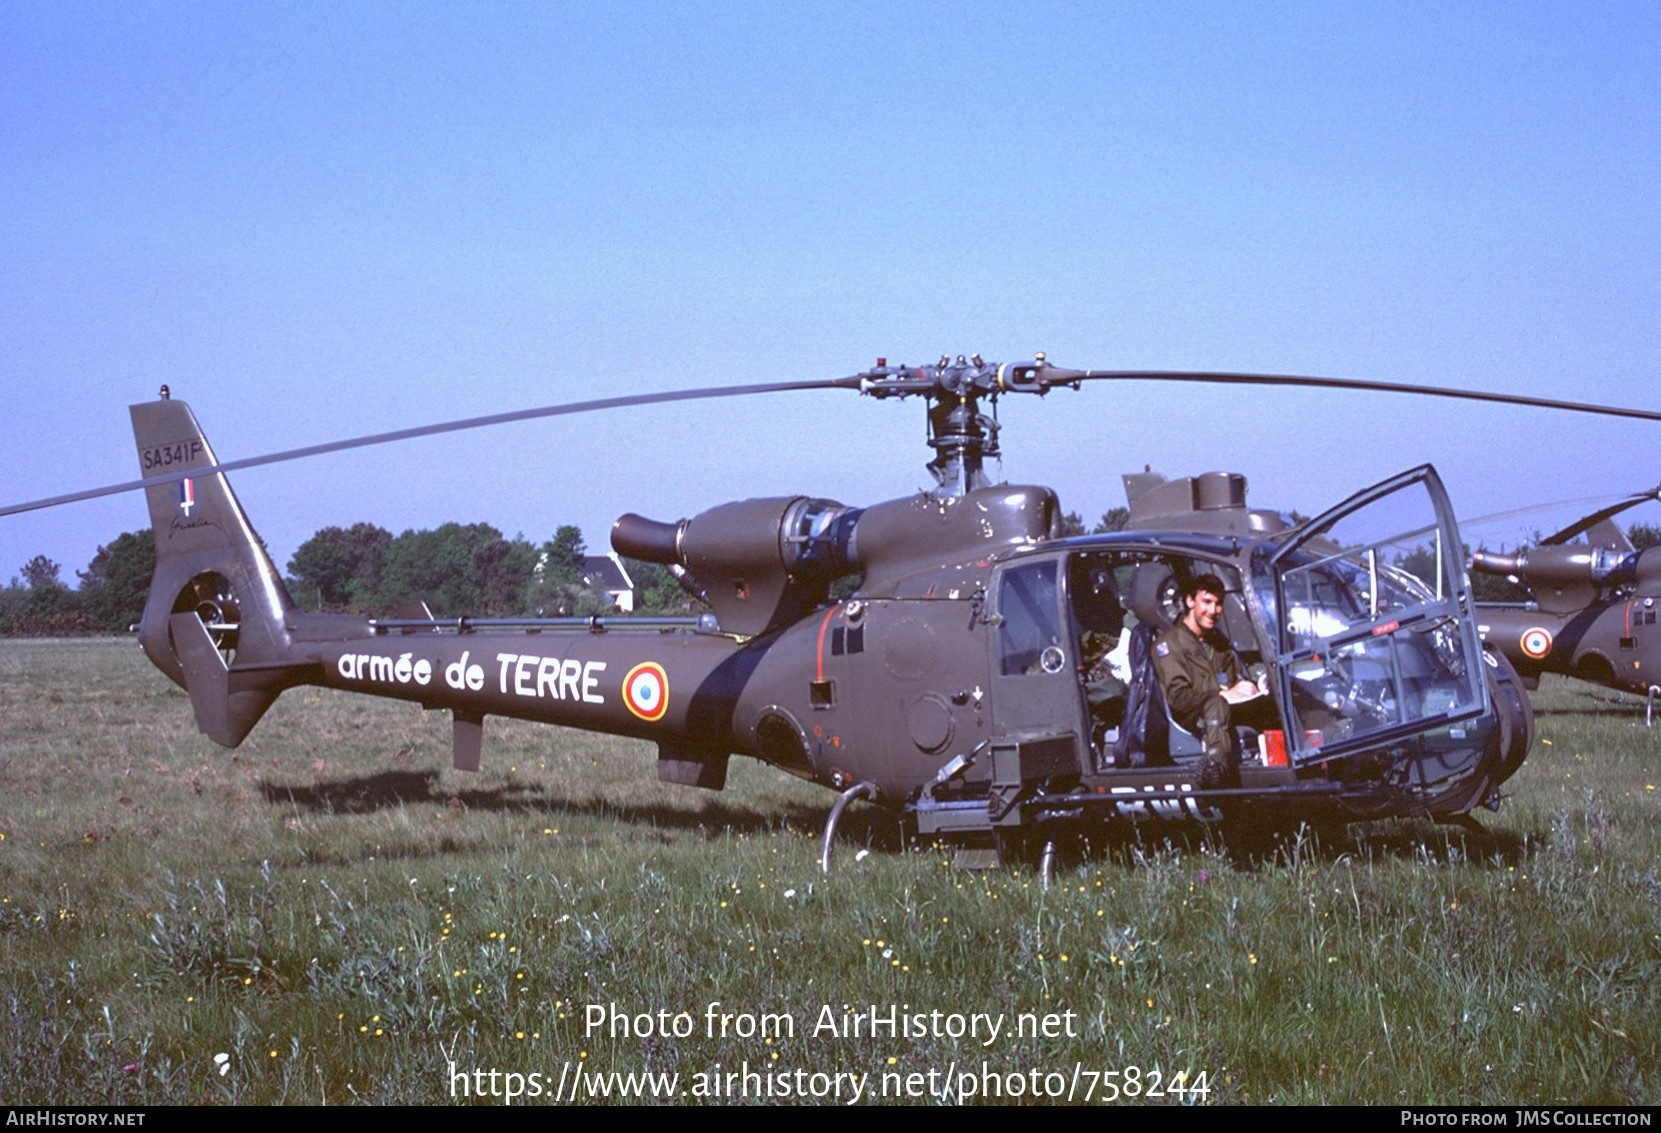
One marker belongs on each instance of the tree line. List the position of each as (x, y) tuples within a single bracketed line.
[(110, 597), (464, 569), (456, 569)]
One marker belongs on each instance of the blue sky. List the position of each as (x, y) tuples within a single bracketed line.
[(315, 221)]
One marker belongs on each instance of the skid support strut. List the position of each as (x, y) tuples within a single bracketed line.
[(864, 790)]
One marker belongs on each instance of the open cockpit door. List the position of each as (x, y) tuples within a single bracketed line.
[(1372, 621), (1036, 699)]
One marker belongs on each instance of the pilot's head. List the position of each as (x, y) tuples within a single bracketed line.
[(1203, 597)]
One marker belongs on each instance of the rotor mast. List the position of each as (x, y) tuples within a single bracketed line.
[(961, 435)]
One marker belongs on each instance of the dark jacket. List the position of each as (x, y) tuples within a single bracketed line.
[(1193, 670)]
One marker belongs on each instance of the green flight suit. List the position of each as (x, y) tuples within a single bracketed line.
[(1193, 672)]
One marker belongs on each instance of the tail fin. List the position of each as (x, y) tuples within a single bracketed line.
[(215, 595)]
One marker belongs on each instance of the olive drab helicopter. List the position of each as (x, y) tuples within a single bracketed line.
[(957, 683), (1593, 610)]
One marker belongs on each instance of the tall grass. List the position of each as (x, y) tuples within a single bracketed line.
[(329, 914)]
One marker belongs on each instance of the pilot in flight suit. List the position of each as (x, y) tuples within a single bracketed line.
[(1201, 677)]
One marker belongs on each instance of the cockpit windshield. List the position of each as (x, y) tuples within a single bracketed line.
[(1374, 633)]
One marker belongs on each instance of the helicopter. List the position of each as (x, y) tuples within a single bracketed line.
[(1593, 605), (951, 684)]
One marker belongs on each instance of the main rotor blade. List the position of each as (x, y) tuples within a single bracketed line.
[(1530, 509), (1054, 376), (1356, 384), (1586, 523), (568, 408), (1609, 511)]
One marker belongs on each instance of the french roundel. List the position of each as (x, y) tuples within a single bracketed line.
[(1536, 642), (646, 691)]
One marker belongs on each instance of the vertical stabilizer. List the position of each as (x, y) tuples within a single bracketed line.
[(212, 569)]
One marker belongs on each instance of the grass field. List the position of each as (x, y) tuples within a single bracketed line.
[(329, 914)]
